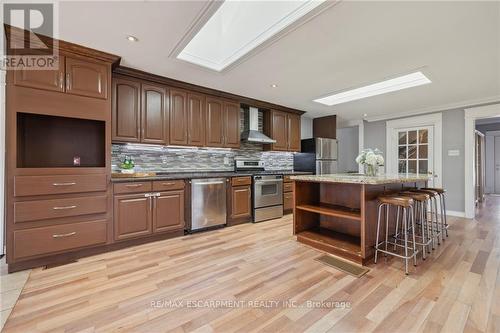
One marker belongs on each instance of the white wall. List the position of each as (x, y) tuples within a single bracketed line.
[(306, 127)]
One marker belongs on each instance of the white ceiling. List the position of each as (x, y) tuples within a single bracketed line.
[(455, 44)]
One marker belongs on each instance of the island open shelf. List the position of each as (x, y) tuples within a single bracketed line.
[(338, 213)]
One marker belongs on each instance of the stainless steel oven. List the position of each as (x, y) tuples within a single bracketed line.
[(267, 197)]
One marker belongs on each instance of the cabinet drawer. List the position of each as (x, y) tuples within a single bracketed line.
[(238, 181), (37, 241), (56, 208), (132, 187), (287, 187), (167, 185), (288, 201), (46, 185)]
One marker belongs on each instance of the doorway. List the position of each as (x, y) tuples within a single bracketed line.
[(414, 146)]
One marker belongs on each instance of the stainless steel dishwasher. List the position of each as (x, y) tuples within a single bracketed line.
[(208, 203)]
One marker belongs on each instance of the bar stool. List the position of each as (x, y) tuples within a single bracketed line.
[(421, 200), (438, 228), (441, 192), (406, 204)]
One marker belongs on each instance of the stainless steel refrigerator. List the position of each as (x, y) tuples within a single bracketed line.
[(319, 156)]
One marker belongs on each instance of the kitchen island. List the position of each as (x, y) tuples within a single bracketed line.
[(337, 213)]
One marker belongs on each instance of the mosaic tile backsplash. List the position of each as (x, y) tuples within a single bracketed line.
[(169, 159)]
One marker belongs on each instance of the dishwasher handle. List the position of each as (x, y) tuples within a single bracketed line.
[(209, 183)]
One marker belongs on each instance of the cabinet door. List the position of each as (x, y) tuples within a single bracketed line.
[(126, 120), (232, 125), (293, 132), (43, 79), (279, 130), (288, 201), (215, 122), (178, 117), (241, 202), (168, 212), (154, 124), (196, 119), (132, 216), (86, 78)]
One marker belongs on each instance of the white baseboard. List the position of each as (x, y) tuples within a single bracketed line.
[(455, 213)]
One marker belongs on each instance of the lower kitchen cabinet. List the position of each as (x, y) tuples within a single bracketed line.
[(240, 204), (287, 202), (132, 215), (146, 213), (168, 211)]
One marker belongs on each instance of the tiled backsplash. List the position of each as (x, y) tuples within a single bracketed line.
[(168, 159)]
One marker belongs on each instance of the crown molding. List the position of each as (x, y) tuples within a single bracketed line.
[(16, 34), (444, 107)]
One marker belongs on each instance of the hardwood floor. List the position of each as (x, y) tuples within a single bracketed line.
[(456, 289)]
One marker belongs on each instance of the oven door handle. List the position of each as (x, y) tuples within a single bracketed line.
[(258, 182)]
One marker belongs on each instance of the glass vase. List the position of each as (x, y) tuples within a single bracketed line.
[(371, 170)]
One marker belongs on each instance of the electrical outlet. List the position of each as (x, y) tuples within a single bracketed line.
[(226, 160)]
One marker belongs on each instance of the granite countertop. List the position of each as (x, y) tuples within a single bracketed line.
[(147, 176), (362, 179)]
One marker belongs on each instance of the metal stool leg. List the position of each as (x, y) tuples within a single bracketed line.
[(397, 228), (412, 215), (378, 232), (386, 228), (405, 230), (439, 234), (444, 214), (423, 226)]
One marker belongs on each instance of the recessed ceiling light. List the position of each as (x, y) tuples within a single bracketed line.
[(131, 38), (237, 27), (398, 83), (274, 85)]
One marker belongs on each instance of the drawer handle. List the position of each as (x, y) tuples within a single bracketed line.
[(63, 184), (168, 184), (133, 185), (64, 207), (64, 235)]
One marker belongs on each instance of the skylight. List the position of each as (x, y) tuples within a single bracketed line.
[(379, 88), (237, 27)]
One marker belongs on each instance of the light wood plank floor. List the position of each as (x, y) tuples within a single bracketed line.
[(456, 289)]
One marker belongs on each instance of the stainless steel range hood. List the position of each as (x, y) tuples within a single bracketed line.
[(251, 132)]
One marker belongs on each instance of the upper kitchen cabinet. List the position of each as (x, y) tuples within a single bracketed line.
[(178, 117), (196, 119), (284, 127), (85, 78), (293, 132), (154, 115), (215, 122), (42, 79), (231, 125), (74, 76), (223, 123), (126, 104)]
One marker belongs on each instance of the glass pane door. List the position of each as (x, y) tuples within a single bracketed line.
[(415, 150)]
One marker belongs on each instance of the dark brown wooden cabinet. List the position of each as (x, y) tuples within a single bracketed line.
[(168, 211), (293, 132), (196, 119), (140, 214), (178, 117), (86, 78), (154, 115), (132, 216), (231, 125), (215, 122), (241, 202), (126, 104), (222, 123), (284, 127), (43, 79)]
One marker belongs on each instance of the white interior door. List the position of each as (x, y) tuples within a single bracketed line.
[(412, 151), (497, 164)]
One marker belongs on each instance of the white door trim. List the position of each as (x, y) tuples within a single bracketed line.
[(2, 161), (433, 119), (471, 114)]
